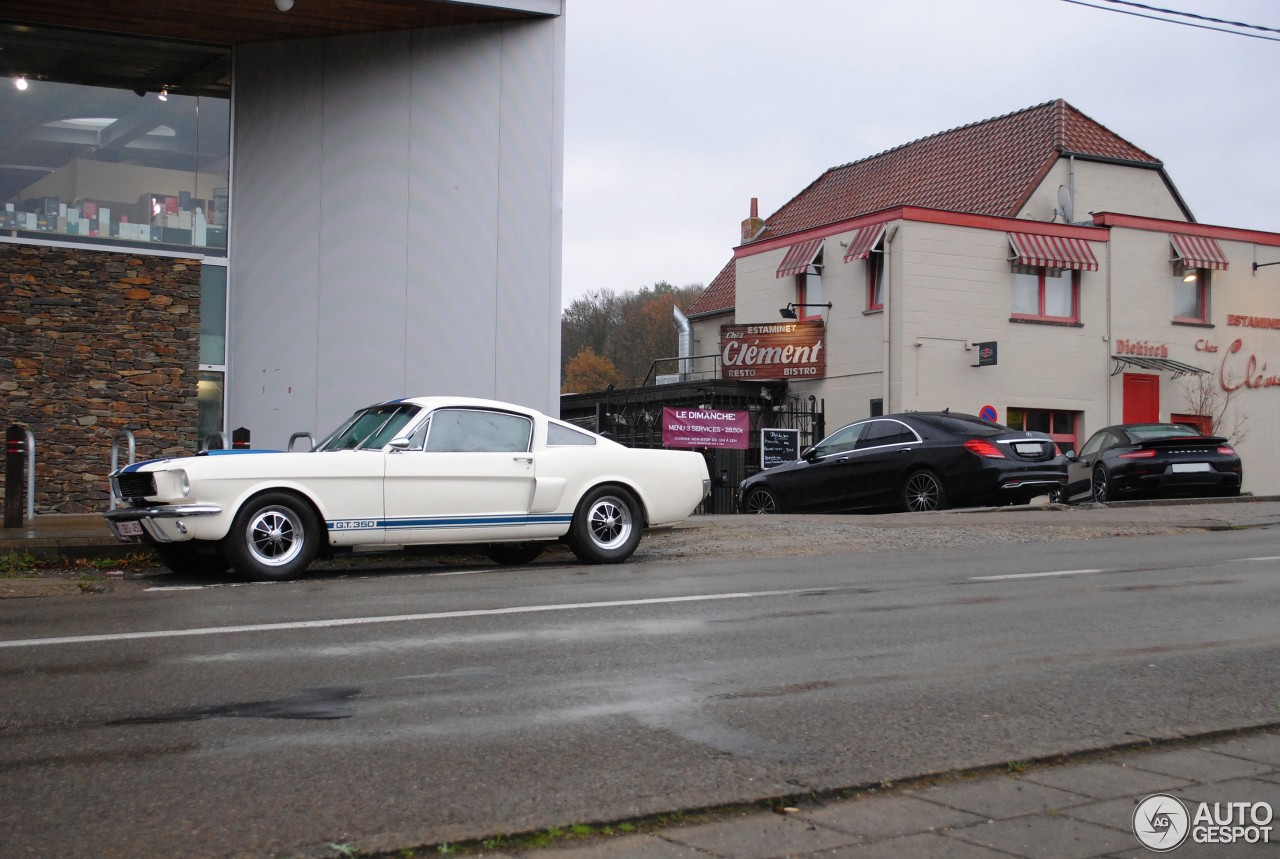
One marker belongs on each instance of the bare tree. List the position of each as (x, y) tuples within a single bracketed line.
[(1204, 397)]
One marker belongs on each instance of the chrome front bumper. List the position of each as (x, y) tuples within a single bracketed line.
[(144, 519)]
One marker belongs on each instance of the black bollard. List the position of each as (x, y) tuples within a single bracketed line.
[(15, 473), (240, 438)]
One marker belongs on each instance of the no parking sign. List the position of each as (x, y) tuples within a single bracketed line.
[(988, 413)]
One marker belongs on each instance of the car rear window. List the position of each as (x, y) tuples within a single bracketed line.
[(962, 425), (1163, 431)]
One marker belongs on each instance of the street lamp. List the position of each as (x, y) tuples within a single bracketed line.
[(789, 312)]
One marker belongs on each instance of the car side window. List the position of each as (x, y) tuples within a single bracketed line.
[(559, 435), (1095, 444), (840, 441), (881, 433), (474, 431)]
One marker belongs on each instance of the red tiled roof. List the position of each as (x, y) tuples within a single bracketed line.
[(986, 168), (720, 293)]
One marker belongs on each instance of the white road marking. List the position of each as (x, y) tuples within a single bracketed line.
[(395, 618), (1034, 575), (1271, 558)]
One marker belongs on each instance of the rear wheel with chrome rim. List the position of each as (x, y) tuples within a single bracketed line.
[(923, 492), (607, 526)]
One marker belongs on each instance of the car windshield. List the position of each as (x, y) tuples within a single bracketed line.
[(371, 428)]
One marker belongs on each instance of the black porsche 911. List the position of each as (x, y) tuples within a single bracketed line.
[(1153, 460), (916, 460)]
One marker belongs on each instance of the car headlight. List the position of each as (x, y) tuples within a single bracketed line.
[(184, 483)]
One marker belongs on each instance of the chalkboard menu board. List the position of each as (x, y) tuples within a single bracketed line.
[(778, 446)]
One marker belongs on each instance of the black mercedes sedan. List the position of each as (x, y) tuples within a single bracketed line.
[(1152, 460), (914, 460)]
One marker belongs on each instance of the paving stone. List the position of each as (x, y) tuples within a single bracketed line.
[(1115, 813), (921, 846), (759, 836), (1000, 797), (1197, 765), (1235, 790), (1046, 836), (1257, 747), (888, 816), (1106, 780)]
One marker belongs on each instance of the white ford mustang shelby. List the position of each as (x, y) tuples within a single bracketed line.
[(424, 470)]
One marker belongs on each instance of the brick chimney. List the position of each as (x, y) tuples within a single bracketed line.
[(752, 226)]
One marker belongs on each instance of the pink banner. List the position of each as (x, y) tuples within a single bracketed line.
[(705, 428)]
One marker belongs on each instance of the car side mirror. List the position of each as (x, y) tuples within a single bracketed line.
[(809, 454), (398, 445), (1071, 456)]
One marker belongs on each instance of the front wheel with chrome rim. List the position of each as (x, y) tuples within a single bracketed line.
[(761, 500), (606, 526), (274, 537)]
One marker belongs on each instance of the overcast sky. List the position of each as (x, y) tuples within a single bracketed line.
[(678, 112)]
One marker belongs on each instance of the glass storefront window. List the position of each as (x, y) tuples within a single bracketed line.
[(138, 161), (213, 314), (209, 399)]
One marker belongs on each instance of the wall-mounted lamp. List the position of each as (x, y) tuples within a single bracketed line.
[(20, 82), (284, 5), (1258, 265), (164, 93), (1190, 276), (789, 312)]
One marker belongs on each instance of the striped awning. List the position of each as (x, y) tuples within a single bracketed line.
[(1167, 365), (863, 241), (799, 257), (1052, 252), (1198, 252)]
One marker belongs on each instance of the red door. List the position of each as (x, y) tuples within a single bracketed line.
[(1141, 398)]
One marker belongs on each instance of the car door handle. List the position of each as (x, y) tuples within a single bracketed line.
[(527, 460)]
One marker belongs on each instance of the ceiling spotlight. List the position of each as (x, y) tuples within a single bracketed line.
[(164, 93), (284, 5), (20, 82)]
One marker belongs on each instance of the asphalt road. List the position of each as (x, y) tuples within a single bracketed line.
[(409, 708)]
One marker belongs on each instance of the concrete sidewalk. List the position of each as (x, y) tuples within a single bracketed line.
[(1082, 808)]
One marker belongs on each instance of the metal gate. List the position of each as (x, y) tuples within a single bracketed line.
[(633, 417)]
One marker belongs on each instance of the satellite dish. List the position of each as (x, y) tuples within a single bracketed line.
[(1065, 205)]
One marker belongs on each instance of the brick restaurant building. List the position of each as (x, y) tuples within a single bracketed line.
[(1036, 267), (261, 215)]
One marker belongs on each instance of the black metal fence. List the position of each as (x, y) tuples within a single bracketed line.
[(633, 417)]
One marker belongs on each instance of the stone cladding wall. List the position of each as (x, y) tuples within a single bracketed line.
[(92, 343)]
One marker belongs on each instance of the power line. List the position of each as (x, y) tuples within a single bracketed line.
[(1182, 23)]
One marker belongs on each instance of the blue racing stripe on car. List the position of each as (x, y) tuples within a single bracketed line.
[(137, 465), (478, 521), (445, 522)]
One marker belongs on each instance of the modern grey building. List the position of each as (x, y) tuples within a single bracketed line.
[(307, 206)]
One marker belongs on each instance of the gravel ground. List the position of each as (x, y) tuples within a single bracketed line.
[(732, 538), (701, 538)]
